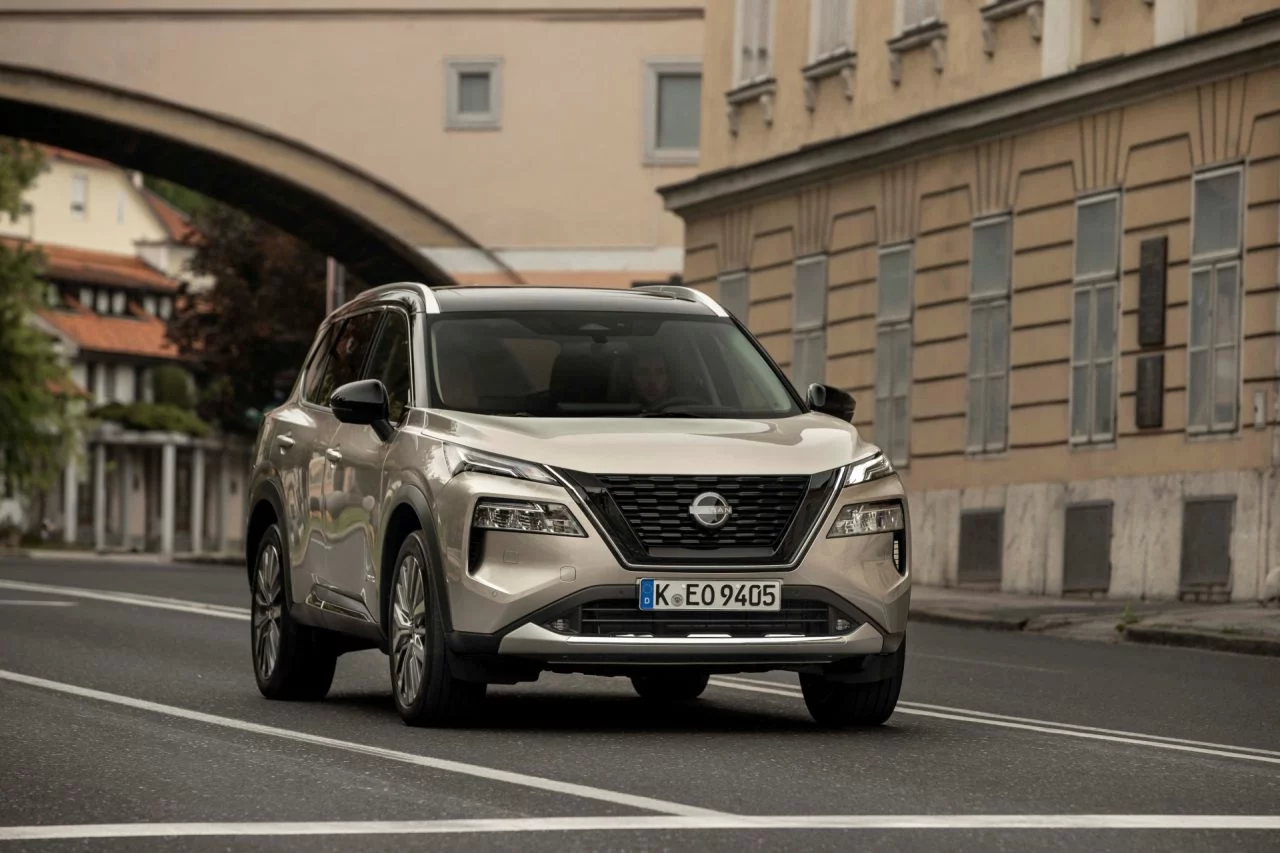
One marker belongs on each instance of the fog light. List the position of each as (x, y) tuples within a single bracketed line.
[(526, 517), (843, 626), (862, 519)]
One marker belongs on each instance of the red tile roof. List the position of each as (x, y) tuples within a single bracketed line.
[(129, 271), (76, 157), (174, 221), (137, 334)]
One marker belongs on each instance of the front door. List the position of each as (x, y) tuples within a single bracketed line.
[(357, 496)]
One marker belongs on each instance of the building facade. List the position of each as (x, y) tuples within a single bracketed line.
[(114, 254), (1039, 240)]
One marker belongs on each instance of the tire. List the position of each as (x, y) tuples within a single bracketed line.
[(671, 687), (838, 704), (426, 693), (291, 661)]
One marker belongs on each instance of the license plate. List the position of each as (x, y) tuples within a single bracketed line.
[(710, 595)]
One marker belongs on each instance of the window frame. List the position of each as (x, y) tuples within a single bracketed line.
[(1212, 262), (985, 303), (733, 278), (810, 329), (454, 68), (815, 8), (740, 80), (80, 179), (655, 70), (1093, 282), (900, 10), (893, 325)]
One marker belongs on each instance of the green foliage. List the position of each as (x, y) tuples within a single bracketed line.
[(1127, 618), (188, 201), (152, 416), (249, 333), (37, 426), (171, 385)]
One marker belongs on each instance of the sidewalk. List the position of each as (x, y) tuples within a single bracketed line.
[(231, 559), (1242, 627)]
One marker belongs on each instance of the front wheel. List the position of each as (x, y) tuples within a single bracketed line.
[(838, 704), (290, 660), (426, 693), (670, 687)]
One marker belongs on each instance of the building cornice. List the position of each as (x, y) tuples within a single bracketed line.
[(1250, 45)]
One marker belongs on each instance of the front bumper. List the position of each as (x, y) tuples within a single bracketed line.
[(503, 593)]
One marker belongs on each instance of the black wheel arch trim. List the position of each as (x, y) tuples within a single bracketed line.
[(409, 494)]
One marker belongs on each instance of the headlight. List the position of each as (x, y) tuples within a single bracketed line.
[(461, 459), (868, 468), (861, 519), (526, 517)]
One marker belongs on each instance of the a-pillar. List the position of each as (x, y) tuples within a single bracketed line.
[(168, 473), (224, 496), (70, 492), (197, 500), (99, 496)]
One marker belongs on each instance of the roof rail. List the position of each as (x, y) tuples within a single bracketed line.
[(430, 305), (688, 294)]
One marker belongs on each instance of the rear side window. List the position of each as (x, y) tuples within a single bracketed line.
[(316, 367), (345, 357)]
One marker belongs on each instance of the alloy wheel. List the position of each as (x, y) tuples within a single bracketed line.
[(409, 618), (268, 602)]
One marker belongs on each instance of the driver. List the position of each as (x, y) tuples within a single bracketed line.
[(650, 378)]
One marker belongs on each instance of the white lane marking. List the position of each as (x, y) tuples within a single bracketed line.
[(992, 663), (31, 602), (1247, 753), (662, 823), (221, 611), (443, 764)]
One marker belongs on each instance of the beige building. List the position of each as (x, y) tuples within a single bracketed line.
[(541, 129), (114, 254), (1039, 240)]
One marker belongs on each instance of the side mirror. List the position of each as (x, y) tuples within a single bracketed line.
[(363, 402), (831, 401)]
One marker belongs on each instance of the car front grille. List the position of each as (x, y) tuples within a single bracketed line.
[(615, 618), (657, 509)]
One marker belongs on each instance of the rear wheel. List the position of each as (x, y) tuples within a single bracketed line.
[(671, 687), (290, 660), (426, 693), (840, 704)]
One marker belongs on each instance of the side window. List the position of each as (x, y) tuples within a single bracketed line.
[(391, 362), (350, 348), (315, 378)]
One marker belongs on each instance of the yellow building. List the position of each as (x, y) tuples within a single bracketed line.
[(1039, 240)]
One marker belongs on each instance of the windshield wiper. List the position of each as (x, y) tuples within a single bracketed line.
[(672, 413)]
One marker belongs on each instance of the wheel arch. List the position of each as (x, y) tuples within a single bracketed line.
[(267, 508), (410, 511)]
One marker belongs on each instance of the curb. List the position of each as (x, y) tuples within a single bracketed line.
[(968, 620), (1237, 643)]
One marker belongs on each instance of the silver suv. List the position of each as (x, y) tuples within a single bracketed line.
[(490, 483)]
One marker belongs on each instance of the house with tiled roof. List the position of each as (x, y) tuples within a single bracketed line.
[(115, 255)]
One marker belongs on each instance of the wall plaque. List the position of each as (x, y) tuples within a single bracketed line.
[(1152, 272), (1149, 411)]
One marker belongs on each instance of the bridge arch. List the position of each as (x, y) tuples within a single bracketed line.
[(372, 228)]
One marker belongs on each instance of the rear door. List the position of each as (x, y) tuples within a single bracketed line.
[(358, 498)]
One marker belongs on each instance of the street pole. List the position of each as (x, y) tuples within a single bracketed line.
[(335, 285)]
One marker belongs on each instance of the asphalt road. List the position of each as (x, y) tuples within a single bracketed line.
[(119, 711)]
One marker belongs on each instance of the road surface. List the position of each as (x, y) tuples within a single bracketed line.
[(133, 724)]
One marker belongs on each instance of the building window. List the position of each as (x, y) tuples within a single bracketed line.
[(53, 296), (673, 95), (734, 295), (79, 196), (990, 267), (809, 358), (149, 304), (473, 96), (118, 300), (893, 353), (754, 58), (164, 307), (1213, 379), (86, 298), (104, 302), (1095, 319), (917, 13), (830, 28)]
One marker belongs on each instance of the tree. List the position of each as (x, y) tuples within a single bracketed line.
[(250, 332), (37, 426)]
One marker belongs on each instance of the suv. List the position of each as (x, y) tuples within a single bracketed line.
[(490, 483)]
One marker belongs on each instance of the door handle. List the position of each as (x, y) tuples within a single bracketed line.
[(333, 455), (284, 441)]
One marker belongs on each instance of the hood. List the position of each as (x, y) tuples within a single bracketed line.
[(802, 444)]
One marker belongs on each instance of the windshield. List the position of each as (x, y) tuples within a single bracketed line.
[(598, 364)]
